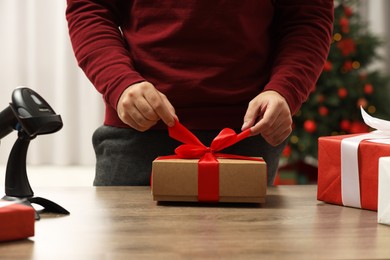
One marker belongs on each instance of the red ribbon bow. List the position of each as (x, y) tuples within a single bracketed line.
[(193, 148), (208, 166)]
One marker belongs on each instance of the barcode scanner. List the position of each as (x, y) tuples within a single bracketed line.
[(30, 115)]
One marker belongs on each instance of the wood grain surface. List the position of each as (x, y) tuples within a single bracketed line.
[(125, 223)]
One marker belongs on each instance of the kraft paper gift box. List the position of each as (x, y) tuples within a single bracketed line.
[(384, 191), (16, 221), (348, 166), (200, 173), (239, 180)]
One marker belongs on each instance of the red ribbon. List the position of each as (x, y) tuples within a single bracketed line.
[(208, 166)]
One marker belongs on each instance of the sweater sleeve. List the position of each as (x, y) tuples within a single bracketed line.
[(303, 35), (99, 46)]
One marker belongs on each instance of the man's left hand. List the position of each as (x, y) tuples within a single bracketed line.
[(268, 114)]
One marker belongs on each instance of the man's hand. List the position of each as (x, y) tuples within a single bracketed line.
[(268, 114), (141, 106)]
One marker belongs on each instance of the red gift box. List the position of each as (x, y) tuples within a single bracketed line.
[(330, 165), (16, 221)]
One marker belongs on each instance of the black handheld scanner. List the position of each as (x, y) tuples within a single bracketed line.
[(30, 113)]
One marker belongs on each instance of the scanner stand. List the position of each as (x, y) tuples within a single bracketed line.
[(17, 185)]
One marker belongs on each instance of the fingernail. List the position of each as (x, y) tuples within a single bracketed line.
[(171, 123), (244, 125)]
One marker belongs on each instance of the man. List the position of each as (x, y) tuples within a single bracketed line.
[(210, 64)]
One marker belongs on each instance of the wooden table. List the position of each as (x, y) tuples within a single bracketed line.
[(125, 223)]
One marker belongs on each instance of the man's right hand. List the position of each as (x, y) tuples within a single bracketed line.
[(141, 106)]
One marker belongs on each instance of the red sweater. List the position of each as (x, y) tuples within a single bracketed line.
[(210, 58)]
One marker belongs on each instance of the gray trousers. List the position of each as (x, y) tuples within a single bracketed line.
[(124, 156)]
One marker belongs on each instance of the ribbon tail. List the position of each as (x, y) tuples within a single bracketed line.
[(376, 123), (182, 134), (243, 135), (227, 137)]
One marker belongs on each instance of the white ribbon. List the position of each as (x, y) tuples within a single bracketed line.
[(350, 185), (376, 123)]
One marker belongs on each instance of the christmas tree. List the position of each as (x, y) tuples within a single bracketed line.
[(346, 83)]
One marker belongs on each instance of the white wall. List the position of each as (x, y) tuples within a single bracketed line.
[(35, 51)]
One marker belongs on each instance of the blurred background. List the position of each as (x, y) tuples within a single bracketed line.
[(355, 75), (35, 52)]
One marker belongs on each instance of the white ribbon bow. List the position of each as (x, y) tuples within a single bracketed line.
[(350, 185)]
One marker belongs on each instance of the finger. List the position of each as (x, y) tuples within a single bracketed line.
[(131, 120), (278, 126), (137, 121), (170, 107), (138, 127), (146, 110), (278, 138), (252, 114), (166, 112), (266, 122), (158, 102)]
